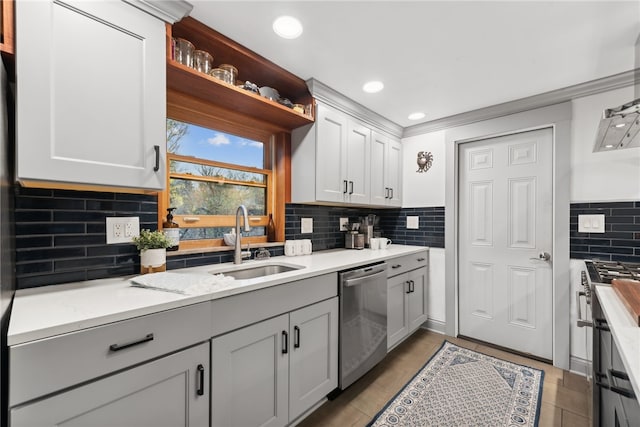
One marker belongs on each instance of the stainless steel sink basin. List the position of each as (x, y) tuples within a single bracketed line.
[(253, 271)]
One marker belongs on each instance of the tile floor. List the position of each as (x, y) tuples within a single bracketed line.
[(566, 397)]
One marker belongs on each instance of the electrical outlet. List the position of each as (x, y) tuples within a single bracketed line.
[(122, 229), (344, 224)]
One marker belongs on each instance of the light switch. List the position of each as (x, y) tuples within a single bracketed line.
[(412, 222), (306, 225), (591, 223)]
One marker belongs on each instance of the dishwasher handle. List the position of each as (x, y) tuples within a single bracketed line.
[(361, 279)]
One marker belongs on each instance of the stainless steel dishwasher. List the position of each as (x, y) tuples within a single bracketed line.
[(363, 321)]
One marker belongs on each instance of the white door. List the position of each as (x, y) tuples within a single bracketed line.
[(358, 163), (249, 375), (505, 222), (172, 391), (331, 155), (313, 365)]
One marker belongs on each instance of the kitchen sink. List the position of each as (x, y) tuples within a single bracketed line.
[(254, 271)]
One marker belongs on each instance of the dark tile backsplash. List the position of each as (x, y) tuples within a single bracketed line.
[(621, 239), (61, 235)]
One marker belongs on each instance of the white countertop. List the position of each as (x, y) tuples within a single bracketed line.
[(626, 333), (44, 312)]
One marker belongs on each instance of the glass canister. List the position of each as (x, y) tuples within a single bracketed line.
[(202, 61), (221, 74), (183, 52), (233, 72)]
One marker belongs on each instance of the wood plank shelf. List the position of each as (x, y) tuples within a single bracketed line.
[(209, 89), (251, 67)]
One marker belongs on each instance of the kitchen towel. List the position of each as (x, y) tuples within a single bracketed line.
[(182, 283)]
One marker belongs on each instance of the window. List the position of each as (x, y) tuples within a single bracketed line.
[(214, 166)]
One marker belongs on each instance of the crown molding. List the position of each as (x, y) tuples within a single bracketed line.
[(331, 97), (592, 87), (170, 11)]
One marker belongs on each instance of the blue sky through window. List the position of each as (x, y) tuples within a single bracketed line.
[(221, 147)]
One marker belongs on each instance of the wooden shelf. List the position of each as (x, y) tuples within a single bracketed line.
[(209, 89), (251, 67)]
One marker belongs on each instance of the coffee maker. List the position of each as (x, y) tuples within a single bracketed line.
[(369, 227)]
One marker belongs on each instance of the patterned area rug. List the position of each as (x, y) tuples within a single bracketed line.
[(461, 387)]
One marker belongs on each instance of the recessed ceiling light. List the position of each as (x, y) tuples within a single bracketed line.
[(373, 86), (620, 125), (608, 146), (287, 27), (416, 116)]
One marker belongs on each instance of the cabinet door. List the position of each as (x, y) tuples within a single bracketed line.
[(397, 316), (91, 79), (393, 173), (379, 160), (358, 163), (249, 375), (417, 299), (313, 364), (171, 391), (331, 160)]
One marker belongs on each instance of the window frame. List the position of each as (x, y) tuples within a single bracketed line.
[(276, 166)]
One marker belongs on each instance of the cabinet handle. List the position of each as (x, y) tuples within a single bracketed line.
[(345, 186), (408, 291), (391, 195), (611, 374), (285, 342), (396, 266), (200, 389), (386, 192), (421, 259), (156, 168), (296, 337), (350, 187), (118, 347), (601, 324), (412, 285)]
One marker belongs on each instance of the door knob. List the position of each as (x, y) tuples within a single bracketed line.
[(542, 256)]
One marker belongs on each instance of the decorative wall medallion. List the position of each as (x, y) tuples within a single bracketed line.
[(425, 160)]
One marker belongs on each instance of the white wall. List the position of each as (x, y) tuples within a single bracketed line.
[(603, 176), (423, 189)]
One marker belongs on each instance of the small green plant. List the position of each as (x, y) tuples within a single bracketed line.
[(151, 240)]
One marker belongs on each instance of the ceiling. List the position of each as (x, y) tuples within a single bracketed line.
[(438, 57)]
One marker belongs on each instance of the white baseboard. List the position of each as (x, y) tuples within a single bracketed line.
[(434, 326), (580, 366)]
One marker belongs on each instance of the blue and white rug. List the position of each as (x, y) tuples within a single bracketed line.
[(461, 387)]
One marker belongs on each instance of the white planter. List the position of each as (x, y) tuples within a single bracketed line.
[(153, 260)]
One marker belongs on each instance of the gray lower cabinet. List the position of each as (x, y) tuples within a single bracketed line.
[(171, 391), (271, 372), (406, 297)]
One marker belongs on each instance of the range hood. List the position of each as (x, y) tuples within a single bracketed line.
[(619, 127)]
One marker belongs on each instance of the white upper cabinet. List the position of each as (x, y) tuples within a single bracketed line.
[(386, 172), (331, 160), (91, 94)]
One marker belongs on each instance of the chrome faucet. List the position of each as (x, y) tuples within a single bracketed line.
[(237, 254)]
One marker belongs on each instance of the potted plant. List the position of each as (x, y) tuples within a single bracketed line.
[(153, 250)]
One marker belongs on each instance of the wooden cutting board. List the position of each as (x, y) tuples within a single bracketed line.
[(629, 293)]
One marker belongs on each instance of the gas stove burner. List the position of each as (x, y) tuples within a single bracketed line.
[(606, 271)]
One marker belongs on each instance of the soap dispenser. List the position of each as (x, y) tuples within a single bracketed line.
[(172, 231)]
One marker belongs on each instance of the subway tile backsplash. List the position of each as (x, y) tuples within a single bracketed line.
[(61, 235), (621, 239)]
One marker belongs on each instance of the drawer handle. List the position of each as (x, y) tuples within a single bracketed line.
[(118, 347), (396, 266), (296, 337), (156, 168), (412, 284), (200, 390), (421, 259), (408, 283)]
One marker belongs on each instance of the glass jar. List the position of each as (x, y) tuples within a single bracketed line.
[(233, 72), (202, 61), (183, 52), (221, 74)]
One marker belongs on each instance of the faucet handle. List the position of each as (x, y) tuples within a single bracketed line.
[(246, 254)]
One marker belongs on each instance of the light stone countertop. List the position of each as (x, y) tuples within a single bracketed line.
[(626, 333), (40, 313)]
